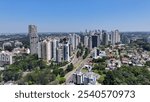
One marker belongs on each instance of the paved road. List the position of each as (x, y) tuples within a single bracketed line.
[(78, 67), (73, 61)]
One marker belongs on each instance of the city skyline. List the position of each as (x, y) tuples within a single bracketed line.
[(75, 15)]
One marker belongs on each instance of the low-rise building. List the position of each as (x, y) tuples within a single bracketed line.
[(6, 58), (80, 78), (98, 54)]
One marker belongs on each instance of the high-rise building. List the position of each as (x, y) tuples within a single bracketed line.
[(40, 49), (77, 40), (45, 50), (48, 50), (148, 39), (70, 50), (90, 42), (105, 37), (118, 38), (115, 37), (74, 40), (113, 41), (55, 45), (33, 37), (95, 41), (59, 52), (86, 41), (66, 52)]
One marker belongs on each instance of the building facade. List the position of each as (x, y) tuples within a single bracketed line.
[(33, 37), (6, 58), (115, 37)]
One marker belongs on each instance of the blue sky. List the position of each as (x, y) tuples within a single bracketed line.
[(74, 15)]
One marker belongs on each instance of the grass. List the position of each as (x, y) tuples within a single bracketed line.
[(84, 70)]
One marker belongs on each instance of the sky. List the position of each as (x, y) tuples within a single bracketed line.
[(74, 15)]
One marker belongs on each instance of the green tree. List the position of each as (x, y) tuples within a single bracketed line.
[(99, 60), (128, 75), (109, 78), (62, 80), (86, 53), (8, 48), (148, 63), (78, 54), (11, 75), (61, 72), (70, 67), (101, 79)]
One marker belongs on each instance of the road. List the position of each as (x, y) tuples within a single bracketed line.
[(73, 61), (77, 67)]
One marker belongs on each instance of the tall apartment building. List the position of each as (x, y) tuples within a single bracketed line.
[(54, 47), (105, 37), (45, 49), (66, 52), (33, 37), (115, 37), (86, 41), (59, 57), (148, 39), (93, 41), (74, 40)]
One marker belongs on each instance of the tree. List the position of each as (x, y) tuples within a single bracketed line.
[(101, 79), (78, 54), (99, 60), (11, 75), (100, 68), (70, 67), (8, 48), (109, 78), (148, 63), (86, 53), (56, 71), (128, 75), (62, 80), (61, 72), (52, 77), (40, 72), (39, 77)]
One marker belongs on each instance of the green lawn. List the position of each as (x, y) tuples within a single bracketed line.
[(84, 70)]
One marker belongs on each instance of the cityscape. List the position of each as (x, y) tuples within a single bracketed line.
[(92, 42), (93, 57)]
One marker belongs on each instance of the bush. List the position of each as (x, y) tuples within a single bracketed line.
[(101, 79), (148, 63), (62, 80), (69, 68)]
